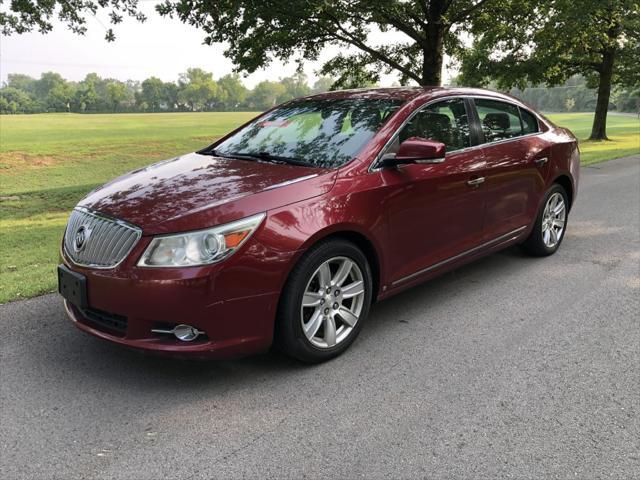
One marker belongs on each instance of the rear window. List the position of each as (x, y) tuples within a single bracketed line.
[(529, 122), (499, 120)]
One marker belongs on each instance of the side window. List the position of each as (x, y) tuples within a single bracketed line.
[(529, 122), (499, 120), (444, 122)]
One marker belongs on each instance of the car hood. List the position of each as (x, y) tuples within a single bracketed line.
[(196, 191)]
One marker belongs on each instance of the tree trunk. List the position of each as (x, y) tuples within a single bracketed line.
[(433, 55), (599, 128), (433, 46)]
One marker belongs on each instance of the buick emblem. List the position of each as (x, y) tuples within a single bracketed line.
[(80, 240)]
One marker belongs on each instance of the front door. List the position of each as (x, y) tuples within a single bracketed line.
[(434, 210)]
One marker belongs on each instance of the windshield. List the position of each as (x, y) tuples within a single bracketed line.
[(321, 133)]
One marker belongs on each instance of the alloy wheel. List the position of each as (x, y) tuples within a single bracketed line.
[(553, 220), (332, 302)]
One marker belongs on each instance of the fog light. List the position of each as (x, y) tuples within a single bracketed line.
[(186, 333), (183, 332)]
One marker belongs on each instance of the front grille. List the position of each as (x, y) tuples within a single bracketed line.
[(95, 240), (105, 321)]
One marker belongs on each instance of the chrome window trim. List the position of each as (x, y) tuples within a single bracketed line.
[(102, 216), (513, 234), (375, 167)]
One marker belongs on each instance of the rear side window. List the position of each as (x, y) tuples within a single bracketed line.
[(499, 120), (529, 122)]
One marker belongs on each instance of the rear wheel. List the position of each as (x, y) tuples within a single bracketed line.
[(550, 226), (324, 302)]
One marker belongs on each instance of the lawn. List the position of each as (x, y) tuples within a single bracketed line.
[(48, 162), (623, 131)]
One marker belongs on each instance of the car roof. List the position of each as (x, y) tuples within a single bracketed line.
[(408, 93)]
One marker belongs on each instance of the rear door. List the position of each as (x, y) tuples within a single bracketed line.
[(517, 159)]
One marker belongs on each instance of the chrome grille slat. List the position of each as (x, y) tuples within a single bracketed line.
[(107, 242), (122, 242), (71, 227), (110, 240), (103, 245), (114, 244), (91, 249), (128, 245)]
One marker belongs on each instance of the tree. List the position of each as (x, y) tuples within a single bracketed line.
[(233, 91), (257, 31), (20, 81), (152, 93), (197, 89), (53, 91), (171, 95), (294, 86), (60, 97), (628, 100), (13, 100), (28, 15), (91, 94), (322, 84), (551, 40), (118, 95), (265, 95)]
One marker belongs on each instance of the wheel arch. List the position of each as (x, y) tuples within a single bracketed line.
[(355, 235), (565, 182)]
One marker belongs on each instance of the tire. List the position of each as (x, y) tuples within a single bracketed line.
[(546, 236), (326, 302)]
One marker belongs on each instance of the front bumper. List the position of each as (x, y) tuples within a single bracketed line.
[(233, 302), (204, 347)]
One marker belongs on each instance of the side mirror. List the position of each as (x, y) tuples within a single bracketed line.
[(416, 150)]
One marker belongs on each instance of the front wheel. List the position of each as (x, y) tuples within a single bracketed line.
[(548, 231), (325, 302)]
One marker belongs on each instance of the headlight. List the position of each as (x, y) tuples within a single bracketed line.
[(201, 247)]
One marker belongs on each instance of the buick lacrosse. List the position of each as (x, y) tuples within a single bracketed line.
[(286, 231)]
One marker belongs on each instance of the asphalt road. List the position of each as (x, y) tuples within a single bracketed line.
[(511, 367)]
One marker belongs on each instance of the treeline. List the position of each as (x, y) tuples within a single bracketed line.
[(195, 91), (576, 96)]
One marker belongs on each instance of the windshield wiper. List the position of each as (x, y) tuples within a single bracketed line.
[(215, 153), (268, 157), (262, 156)]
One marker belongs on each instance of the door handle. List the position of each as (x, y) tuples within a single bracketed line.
[(541, 161), (474, 182)]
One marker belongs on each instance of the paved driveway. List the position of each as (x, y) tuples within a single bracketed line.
[(511, 367)]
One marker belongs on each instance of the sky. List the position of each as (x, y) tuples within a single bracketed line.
[(160, 47)]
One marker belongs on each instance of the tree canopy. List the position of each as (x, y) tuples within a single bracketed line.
[(195, 90), (29, 15), (52, 93), (548, 41), (257, 31)]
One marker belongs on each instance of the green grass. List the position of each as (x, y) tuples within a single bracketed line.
[(48, 162), (623, 132)]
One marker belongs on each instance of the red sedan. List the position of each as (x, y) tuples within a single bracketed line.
[(289, 228)]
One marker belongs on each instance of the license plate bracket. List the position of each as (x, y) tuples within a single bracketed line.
[(72, 286)]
